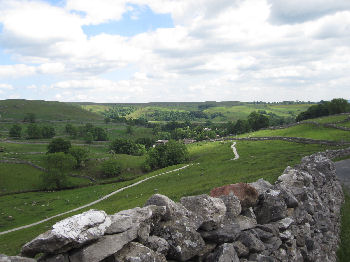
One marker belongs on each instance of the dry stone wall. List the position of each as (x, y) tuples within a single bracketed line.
[(295, 219)]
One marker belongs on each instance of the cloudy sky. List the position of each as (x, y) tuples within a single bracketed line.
[(174, 50)]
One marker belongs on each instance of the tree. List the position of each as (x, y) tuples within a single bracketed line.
[(15, 131), (146, 141), (80, 154), (57, 166), (257, 121), (29, 117), (124, 146), (241, 127), (110, 168), (99, 134), (129, 130), (171, 153), (338, 105), (47, 132), (59, 145), (71, 130), (33, 131)]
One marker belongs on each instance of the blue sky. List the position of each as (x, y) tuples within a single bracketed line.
[(183, 50)]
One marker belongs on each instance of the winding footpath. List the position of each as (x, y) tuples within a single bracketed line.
[(94, 202), (111, 194), (234, 149)]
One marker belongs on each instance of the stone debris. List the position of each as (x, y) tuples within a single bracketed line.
[(295, 219)]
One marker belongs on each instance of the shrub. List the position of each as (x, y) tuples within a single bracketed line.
[(99, 134), (33, 131), (169, 154), (59, 145), (57, 166), (47, 132), (110, 168), (15, 131), (80, 154), (124, 146), (29, 117)]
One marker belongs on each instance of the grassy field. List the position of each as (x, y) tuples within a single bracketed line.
[(331, 119), (305, 131), (16, 109), (257, 159)]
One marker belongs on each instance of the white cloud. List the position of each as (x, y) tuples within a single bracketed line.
[(6, 86), (223, 50), (298, 11), (15, 71)]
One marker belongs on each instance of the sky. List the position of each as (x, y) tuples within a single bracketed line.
[(174, 50)]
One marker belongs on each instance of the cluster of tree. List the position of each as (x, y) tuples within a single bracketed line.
[(116, 112), (129, 121), (89, 132), (30, 118), (325, 108), (33, 131), (127, 146), (61, 158), (164, 155), (163, 115)]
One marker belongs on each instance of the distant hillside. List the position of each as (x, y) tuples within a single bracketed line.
[(197, 111), (16, 109)]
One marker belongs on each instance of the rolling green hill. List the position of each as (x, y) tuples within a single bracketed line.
[(16, 109)]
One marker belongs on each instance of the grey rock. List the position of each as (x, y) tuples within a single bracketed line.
[(157, 244), (245, 222), (261, 186), (209, 247), (175, 212), (185, 242), (69, 233), (126, 219), (272, 244), (262, 258), (136, 252), (227, 232), (252, 242), (241, 249), (233, 205), (271, 207), (285, 223), (54, 258), (104, 247), (224, 253), (249, 212), (4, 258), (211, 210), (295, 178)]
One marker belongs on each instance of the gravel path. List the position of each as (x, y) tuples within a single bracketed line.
[(94, 202), (234, 149)]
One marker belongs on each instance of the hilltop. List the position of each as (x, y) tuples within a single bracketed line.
[(16, 109)]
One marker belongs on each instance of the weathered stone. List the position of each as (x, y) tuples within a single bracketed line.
[(262, 234), (241, 249), (245, 222), (271, 207), (224, 253), (261, 185), (211, 210), (246, 194), (184, 241), (233, 205), (175, 212), (262, 258), (135, 252), (104, 247), (252, 242), (69, 233), (227, 232), (4, 258), (284, 223), (126, 219), (157, 244), (54, 258), (203, 254), (295, 178), (249, 212)]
